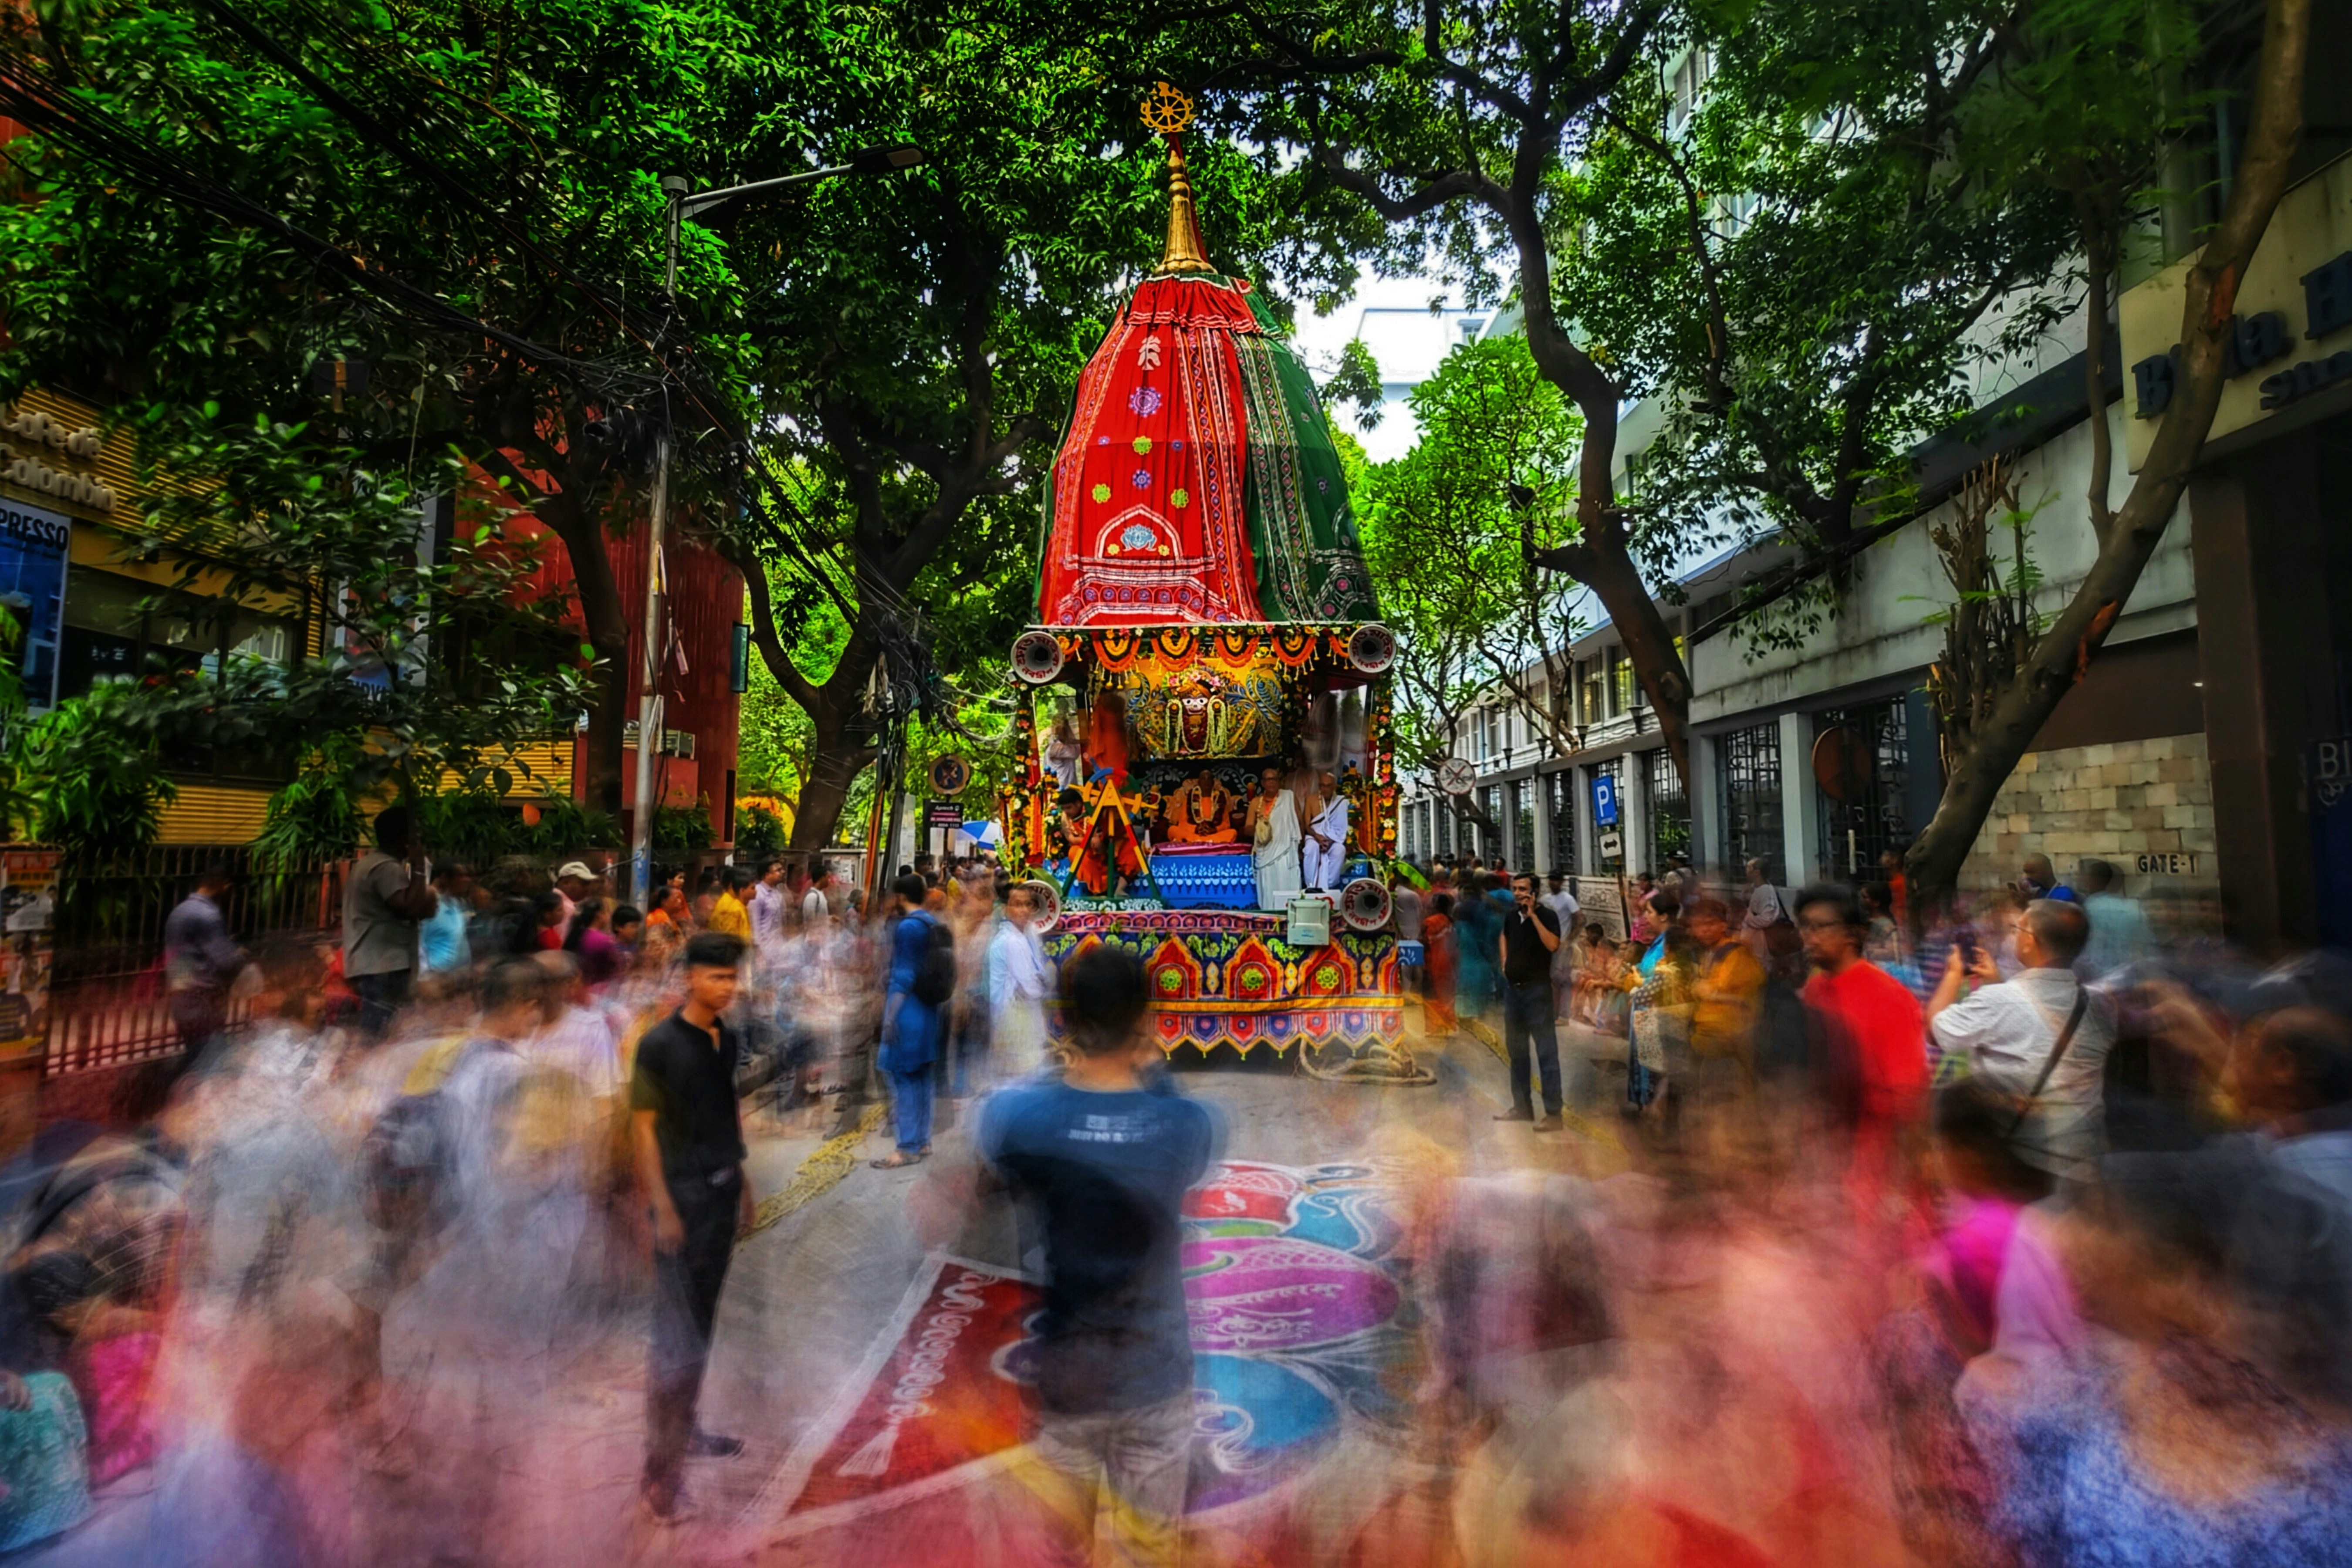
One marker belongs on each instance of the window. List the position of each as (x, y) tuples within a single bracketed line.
[(1589, 676), (1442, 809), (1490, 806), (1622, 687), (1748, 767), (1560, 800), (1669, 810), (1863, 753), (1687, 89)]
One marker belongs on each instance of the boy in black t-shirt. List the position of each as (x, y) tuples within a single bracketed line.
[(1104, 1160), (689, 1151)]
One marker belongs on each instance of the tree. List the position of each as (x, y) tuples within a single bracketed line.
[(1449, 532), (1797, 244), (459, 205), (2068, 139), (269, 518), (916, 344), (1452, 131)]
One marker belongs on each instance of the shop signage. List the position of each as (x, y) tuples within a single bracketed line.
[(2291, 335), (33, 586), (33, 438), (2166, 863)]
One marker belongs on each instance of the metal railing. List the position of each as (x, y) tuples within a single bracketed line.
[(106, 1002)]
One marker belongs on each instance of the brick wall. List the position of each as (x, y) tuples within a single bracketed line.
[(2113, 802)]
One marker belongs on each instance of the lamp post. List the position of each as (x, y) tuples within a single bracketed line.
[(683, 205)]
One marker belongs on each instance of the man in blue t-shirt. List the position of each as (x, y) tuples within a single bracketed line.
[(1103, 1157)]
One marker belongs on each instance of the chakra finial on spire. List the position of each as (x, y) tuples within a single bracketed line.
[(1168, 112)]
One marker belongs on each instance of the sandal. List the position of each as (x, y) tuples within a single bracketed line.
[(898, 1162)]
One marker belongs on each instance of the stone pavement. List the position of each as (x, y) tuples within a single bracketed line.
[(807, 1296)]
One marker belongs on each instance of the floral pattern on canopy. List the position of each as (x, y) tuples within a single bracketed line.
[(1198, 482)]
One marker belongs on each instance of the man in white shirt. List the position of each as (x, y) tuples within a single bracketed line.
[(1274, 833), (816, 909), (768, 910), (2008, 1029), (1326, 839), (1562, 902), (1017, 982)]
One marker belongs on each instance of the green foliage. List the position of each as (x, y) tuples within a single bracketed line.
[(1447, 546), (565, 824), (472, 826), (683, 827), (1357, 381), (312, 819), (1807, 271), (280, 520), (89, 784), (758, 830)]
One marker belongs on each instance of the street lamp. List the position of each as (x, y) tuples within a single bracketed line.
[(872, 161)]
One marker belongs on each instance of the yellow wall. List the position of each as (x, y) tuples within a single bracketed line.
[(2313, 225), (208, 813)]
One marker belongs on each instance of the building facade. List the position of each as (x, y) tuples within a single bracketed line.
[(2206, 752)]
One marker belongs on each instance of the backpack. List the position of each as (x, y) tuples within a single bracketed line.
[(406, 1156), (936, 980)]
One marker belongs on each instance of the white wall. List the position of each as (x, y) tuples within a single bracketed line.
[(1881, 628)]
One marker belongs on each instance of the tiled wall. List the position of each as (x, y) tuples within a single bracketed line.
[(2113, 802)]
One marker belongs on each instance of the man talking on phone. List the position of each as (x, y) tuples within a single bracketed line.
[(1530, 936)]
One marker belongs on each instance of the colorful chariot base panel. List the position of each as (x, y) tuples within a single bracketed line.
[(1228, 977)]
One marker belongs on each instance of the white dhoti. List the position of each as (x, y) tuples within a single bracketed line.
[(1326, 865), (1277, 858)]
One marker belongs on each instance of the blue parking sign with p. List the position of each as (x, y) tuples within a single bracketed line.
[(1604, 800)]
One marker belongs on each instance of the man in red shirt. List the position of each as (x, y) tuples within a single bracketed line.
[(1875, 1023)]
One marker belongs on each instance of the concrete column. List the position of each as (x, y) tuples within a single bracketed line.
[(2262, 619), (1800, 800), (1705, 809), (1538, 787), (1588, 836), (1633, 811)]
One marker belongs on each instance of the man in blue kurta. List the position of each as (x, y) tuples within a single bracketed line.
[(911, 1024)]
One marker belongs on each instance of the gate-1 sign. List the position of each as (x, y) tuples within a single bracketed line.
[(1604, 800)]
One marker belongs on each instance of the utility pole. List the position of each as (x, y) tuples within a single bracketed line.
[(650, 661), (681, 206)]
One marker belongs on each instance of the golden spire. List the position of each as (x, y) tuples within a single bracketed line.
[(1169, 111)]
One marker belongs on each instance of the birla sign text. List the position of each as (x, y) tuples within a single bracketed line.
[(2290, 333)]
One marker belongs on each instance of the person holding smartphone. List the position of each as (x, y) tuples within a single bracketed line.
[(1531, 935)]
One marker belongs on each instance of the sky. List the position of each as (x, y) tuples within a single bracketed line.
[(1391, 315)]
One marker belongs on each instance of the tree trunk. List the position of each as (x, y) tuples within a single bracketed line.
[(607, 623), (835, 764), (2130, 535)]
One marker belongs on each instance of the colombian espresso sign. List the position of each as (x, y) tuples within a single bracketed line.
[(33, 545)]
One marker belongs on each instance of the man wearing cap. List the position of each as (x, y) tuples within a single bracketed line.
[(573, 882)]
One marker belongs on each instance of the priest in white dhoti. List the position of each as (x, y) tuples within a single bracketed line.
[(1326, 838), (1274, 842)]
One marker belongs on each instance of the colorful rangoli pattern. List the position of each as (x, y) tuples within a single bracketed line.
[(1301, 1319)]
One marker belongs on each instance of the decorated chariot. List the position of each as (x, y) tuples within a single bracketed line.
[(1207, 763)]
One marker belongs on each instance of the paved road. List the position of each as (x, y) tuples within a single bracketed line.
[(808, 1295)]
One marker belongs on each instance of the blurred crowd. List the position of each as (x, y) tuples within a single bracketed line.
[(2024, 1232), (1818, 1228), (309, 1293)]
